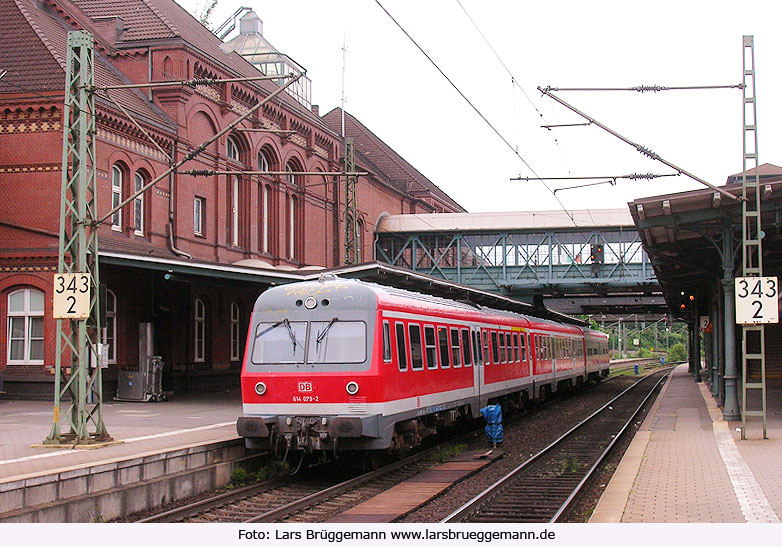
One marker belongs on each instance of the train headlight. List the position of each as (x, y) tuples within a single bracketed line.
[(310, 303), (260, 388), (352, 388)]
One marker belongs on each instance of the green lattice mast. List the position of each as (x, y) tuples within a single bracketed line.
[(78, 253)]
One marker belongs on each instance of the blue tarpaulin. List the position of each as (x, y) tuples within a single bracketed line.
[(493, 416)]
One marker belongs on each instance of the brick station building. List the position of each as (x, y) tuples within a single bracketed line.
[(191, 255)]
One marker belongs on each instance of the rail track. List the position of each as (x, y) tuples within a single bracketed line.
[(542, 488), (298, 498), (313, 495)]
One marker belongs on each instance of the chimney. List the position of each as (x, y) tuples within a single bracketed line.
[(109, 28), (316, 110)]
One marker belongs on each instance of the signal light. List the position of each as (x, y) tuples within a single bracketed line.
[(597, 254)]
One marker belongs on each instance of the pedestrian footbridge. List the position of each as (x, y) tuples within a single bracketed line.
[(580, 262)]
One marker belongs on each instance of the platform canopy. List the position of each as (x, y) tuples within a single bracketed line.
[(684, 235)]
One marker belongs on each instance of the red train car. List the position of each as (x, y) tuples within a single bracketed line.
[(343, 365)]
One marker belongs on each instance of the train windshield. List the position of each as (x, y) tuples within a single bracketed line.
[(337, 342), (320, 342), (280, 342)]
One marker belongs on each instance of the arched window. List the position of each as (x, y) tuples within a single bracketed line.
[(291, 170), (235, 333), (266, 218), (292, 225), (294, 212), (138, 204), (25, 326), (232, 150), (359, 241), (199, 354), (116, 196), (263, 161), (235, 211), (110, 330)]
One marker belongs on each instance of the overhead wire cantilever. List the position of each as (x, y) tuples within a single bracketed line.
[(642, 149)]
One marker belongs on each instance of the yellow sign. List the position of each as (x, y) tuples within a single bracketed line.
[(71, 296)]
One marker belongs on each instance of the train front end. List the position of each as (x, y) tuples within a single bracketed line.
[(308, 380)]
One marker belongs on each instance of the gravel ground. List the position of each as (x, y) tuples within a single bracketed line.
[(525, 435)]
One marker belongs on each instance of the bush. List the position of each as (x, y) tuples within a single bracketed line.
[(275, 470), (678, 352), (238, 476)]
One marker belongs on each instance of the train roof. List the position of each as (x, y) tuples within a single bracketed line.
[(337, 289), (386, 275)]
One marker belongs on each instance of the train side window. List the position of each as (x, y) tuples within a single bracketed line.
[(485, 348), (466, 348), (416, 347), (431, 347), (495, 349), (445, 351), (503, 356), (386, 342), (401, 346), (475, 347), (516, 347), (509, 347), (456, 353), (523, 346)]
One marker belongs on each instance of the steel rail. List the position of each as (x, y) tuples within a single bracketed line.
[(192, 509), (605, 452), (495, 489), (220, 500)]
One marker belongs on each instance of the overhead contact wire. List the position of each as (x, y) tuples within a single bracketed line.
[(459, 91), (514, 80)]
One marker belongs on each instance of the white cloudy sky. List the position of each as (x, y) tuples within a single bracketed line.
[(394, 90)]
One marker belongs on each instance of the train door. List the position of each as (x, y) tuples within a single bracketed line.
[(478, 360)]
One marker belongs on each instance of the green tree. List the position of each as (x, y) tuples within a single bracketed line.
[(678, 352)]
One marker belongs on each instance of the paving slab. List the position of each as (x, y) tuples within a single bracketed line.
[(687, 464)]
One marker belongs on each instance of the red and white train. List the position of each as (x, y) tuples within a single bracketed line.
[(343, 365)]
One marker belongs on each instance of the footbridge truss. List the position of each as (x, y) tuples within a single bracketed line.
[(591, 264)]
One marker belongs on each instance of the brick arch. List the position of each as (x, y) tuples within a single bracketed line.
[(201, 126)]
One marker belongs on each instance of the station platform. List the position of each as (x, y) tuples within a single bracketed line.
[(138, 428), (686, 464)]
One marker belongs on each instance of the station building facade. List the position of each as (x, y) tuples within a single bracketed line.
[(191, 255)]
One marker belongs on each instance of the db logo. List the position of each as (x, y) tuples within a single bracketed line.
[(305, 386)]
